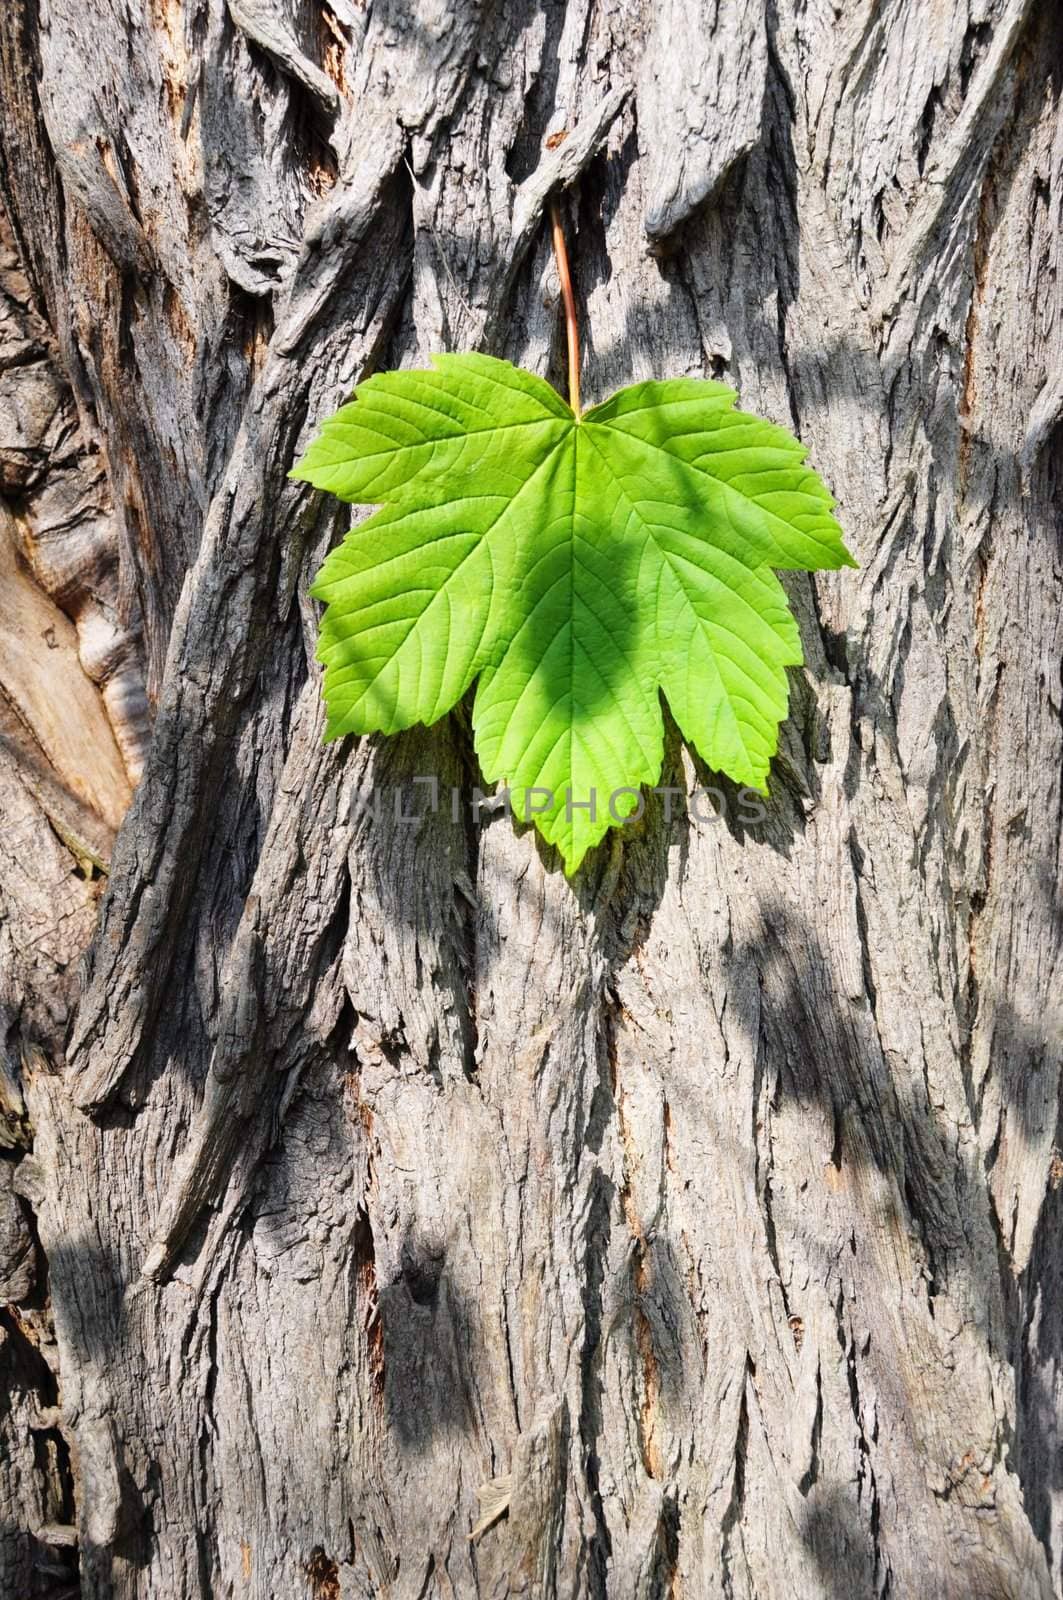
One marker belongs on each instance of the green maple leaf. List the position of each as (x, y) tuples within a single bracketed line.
[(575, 567)]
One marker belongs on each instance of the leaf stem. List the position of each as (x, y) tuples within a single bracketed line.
[(571, 325)]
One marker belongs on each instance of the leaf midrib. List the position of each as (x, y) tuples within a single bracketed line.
[(666, 560), (441, 592), (777, 557)]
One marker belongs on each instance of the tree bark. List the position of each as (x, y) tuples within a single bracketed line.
[(380, 1213)]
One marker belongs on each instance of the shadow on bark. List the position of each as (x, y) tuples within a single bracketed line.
[(427, 1334)]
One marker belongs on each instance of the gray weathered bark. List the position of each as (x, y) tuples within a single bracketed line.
[(690, 1229)]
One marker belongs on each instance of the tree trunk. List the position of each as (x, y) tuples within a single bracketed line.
[(380, 1213)]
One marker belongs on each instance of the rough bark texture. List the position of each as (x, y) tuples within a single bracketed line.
[(693, 1229)]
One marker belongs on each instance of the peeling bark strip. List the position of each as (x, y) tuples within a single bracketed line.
[(379, 1214)]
